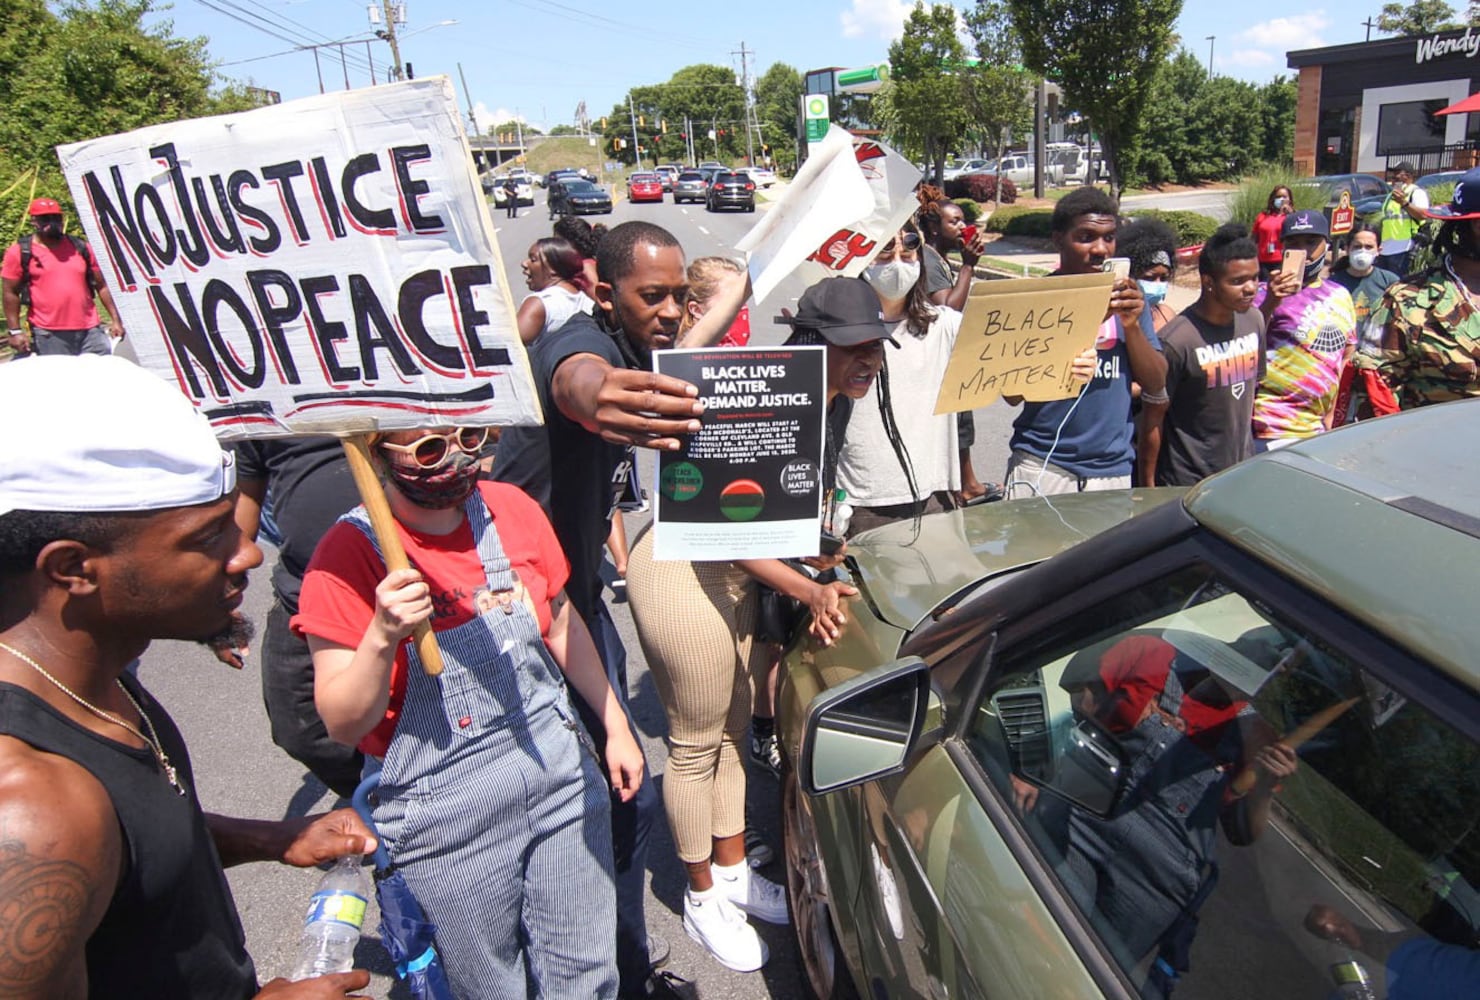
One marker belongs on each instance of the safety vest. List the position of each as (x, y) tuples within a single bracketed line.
[(1397, 224)]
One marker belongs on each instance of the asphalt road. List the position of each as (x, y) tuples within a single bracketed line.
[(240, 773), (1213, 202)]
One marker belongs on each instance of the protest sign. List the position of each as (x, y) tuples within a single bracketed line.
[(849, 198), (322, 266), (749, 484), (1019, 336)]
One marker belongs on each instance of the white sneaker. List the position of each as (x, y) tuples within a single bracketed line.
[(751, 893), (712, 920)]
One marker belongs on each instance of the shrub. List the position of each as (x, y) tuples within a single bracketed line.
[(970, 210), (1033, 222), (982, 188), (1192, 228), (1252, 193)]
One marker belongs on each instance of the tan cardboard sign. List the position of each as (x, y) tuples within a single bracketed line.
[(1019, 336)]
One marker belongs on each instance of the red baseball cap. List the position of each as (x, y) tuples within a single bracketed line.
[(46, 206)]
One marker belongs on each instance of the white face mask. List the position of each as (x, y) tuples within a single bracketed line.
[(893, 280), (1361, 260)]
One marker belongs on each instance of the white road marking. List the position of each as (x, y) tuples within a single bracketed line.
[(702, 230)]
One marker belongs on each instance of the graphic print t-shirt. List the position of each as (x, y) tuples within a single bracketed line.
[(1212, 375), (1307, 338)]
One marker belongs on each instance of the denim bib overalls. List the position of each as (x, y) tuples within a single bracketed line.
[(492, 804)]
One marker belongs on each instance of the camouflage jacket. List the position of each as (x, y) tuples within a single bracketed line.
[(1437, 333)]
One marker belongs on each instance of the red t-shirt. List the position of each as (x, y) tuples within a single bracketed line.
[(61, 298), (338, 598), (1269, 236)]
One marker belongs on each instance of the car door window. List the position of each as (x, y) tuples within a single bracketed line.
[(1233, 806)]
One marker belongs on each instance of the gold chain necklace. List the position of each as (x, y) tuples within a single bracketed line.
[(152, 739)]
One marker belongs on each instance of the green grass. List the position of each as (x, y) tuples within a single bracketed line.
[(1012, 268)]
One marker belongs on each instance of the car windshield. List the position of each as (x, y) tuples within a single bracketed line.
[(642, 178), (691, 176), (581, 187), (729, 178)]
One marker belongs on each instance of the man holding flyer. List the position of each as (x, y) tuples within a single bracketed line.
[(599, 394)]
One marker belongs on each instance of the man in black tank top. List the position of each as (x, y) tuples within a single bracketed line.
[(116, 528)]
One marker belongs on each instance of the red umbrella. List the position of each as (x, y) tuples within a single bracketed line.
[(1468, 105)]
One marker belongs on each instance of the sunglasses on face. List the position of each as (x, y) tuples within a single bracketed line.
[(908, 242), (434, 449)]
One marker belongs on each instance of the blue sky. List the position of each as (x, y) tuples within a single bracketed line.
[(539, 58)]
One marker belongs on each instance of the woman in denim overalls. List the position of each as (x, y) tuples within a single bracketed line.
[(491, 799)]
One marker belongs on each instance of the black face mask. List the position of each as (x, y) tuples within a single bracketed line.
[(51, 228), (441, 488)]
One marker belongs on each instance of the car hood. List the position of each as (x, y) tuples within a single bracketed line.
[(905, 573)]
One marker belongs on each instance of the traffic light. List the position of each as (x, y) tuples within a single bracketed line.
[(603, 124), (664, 124), (642, 121)]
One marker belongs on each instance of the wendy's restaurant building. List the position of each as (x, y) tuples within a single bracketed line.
[(1365, 107)]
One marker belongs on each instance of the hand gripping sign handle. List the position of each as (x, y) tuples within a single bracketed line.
[(357, 451), (1244, 783)]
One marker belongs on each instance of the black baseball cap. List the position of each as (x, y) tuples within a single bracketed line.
[(1305, 222), (844, 310)]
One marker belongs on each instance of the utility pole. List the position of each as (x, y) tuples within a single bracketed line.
[(344, 65), (745, 55), (1369, 24), (318, 69), (1211, 40), (468, 95), (632, 116), (388, 33)]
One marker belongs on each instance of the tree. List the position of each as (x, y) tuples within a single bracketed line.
[(1277, 100), (707, 95), (776, 95), (1104, 54), (998, 91), (1422, 17), (84, 70), (923, 98), (563, 129), (512, 129)]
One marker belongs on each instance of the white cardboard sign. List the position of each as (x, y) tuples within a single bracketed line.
[(847, 201), (322, 266)]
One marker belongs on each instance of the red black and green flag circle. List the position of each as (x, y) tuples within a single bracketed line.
[(742, 500)]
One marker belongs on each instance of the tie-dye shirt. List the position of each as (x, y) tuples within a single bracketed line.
[(1308, 337)]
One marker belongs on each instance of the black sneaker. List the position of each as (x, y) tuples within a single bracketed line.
[(766, 752), (757, 852)]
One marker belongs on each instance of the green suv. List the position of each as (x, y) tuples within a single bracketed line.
[(1217, 745)]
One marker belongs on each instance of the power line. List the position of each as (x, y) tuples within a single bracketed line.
[(599, 20), (282, 32)]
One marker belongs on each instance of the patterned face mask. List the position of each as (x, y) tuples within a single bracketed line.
[(445, 486)]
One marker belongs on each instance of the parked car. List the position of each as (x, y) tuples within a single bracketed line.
[(764, 177), (524, 192), (1008, 776), (644, 187), (1367, 192), (1441, 184), (730, 189), (691, 185), (576, 196), (964, 167)]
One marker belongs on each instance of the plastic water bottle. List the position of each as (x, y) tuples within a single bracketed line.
[(1352, 981), (331, 927)]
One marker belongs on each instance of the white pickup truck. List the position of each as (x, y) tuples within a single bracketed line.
[(1019, 169)]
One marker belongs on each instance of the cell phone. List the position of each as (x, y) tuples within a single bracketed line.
[(831, 544), (968, 233), (1119, 266), (1294, 263)]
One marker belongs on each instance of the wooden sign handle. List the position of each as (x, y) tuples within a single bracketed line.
[(357, 451), (1244, 783)]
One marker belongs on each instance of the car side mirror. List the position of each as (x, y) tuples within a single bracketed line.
[(865, 728), (1091, 771)]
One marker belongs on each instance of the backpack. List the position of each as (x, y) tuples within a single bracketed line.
[(23, 286)]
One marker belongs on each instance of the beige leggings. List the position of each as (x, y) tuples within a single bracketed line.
[(695, 622)]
